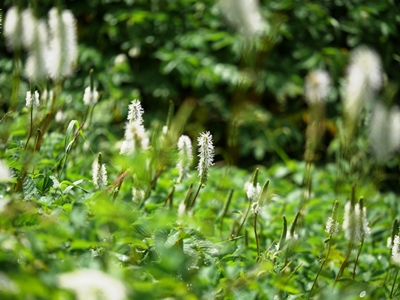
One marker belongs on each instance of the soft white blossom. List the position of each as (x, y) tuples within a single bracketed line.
[(317, 86), (355, 223), (137, 195), (252, 192), (32, 100), (332, 226), (244, 16), (135, 138), (99, 173), (63, 43), (396, 251), (135, 134), (364, 76), (135, 112), (90, 97), (35, 40), (13, 28), (5, 173), (92, 285), (384, 130), (185, 157), (206, 155)]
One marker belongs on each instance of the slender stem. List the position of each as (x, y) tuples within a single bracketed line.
[(394, 283), (195, 196), (255, 233), (48, 118), (225, 209), (344, 263), (358, 255), (320, 268), (171, 193), (244, 220), (154, 182), (30, 128)]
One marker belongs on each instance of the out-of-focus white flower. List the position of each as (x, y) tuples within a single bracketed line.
[(355, 223), (5, 173), (252, 192), (181, 209), (120, 59), (135, 134), (332, 226), (63, 43), (244, 16), (364, 76), (317, 86), (138, 195), (35, 40), (384, 129), (13, 28), (32, 100), (90, 97), (185, 157), (135, 138), (99, 173), (92, 285), (396, 251), (206, 155)]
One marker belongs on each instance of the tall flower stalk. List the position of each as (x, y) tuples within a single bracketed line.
[(31, 101), (332, 228), (206, 160)]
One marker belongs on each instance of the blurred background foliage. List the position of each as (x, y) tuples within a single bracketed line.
[(248, 92)]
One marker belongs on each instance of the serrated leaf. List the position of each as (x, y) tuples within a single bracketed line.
[(29, 188)]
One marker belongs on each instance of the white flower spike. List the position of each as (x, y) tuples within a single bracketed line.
[(206, 155), (317, 86), (396, 251), (13, 28), (90, 97), (32, 100), (185, 157), (63, 43), (99, 173)]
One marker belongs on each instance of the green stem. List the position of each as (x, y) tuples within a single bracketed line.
[(195, 196), (30, 128), (244, 220), (358, 255), (394, 283), (225, 209), (255, 234), (321, 267), (344, 263)]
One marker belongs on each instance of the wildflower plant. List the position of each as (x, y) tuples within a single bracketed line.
[(206, 160)]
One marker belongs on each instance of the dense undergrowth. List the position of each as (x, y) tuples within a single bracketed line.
[(91, 208)]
